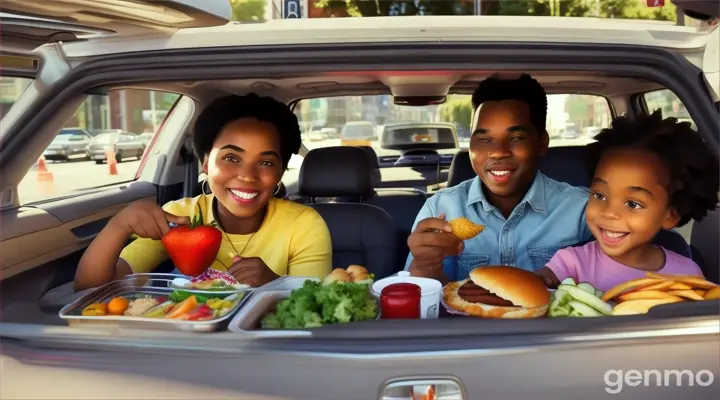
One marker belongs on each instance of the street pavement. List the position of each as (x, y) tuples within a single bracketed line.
[(72, 177)]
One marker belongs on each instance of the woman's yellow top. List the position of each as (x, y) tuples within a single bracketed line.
[(293, 240)]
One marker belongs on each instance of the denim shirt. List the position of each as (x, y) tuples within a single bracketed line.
[(549, 218)]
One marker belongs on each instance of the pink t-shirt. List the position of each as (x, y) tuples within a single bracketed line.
[(589, 264)]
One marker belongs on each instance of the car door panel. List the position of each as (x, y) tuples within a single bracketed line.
[(38, 234)]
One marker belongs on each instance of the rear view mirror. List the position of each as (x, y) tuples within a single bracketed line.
[(418, 101)]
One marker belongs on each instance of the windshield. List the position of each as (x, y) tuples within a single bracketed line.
[(392, 129)]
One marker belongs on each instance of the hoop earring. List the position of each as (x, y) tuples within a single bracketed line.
[(277, 189), (202, 187)]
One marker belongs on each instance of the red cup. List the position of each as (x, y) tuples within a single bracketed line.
[(400, 301)]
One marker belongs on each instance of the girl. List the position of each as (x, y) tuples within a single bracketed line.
[(649, 174), (245, 144)]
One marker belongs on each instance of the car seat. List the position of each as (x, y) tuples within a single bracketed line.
[(361, 233), (705, 238)]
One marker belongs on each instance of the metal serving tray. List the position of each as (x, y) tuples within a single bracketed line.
[(133, 286), (263, 300)]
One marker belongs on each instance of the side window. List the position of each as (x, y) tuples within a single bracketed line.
[(10, 90), (98, 145), (668, 103), (575, 119)]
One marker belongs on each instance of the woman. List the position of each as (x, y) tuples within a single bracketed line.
[(245, 144)]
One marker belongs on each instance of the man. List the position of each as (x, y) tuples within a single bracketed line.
[(527, 216)]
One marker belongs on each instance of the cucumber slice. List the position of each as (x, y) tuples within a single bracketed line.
[(562, 311), (587, 287), (568, 281), (574, 313), (583, 310), (587, 298), (599, 293)]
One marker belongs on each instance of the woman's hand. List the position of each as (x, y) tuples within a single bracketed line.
[(252, 271), (146, 219)]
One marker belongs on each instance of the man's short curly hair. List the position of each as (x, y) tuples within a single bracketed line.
[(524, 88), (693, 167), (227, 109)]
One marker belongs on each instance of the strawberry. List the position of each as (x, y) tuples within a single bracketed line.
[(193, 248)]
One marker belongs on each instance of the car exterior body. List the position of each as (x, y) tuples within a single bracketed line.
[(68, 143), (206, 57)]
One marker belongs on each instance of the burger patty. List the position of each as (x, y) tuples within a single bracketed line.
[(473, 293)]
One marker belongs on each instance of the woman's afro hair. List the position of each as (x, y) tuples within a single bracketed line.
[(227, 109), (693, 167)]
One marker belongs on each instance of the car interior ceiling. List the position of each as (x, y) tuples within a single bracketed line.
[(348, 187)]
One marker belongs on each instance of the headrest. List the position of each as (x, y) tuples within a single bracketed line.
[(460, 168), (564, 164), (334, 172), (371, 155)]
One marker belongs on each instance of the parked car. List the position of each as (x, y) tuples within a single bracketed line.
[(357, 133), (125, 145), (69, 142), (592, 131)]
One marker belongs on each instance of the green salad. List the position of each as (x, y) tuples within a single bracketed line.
[(316, 304)]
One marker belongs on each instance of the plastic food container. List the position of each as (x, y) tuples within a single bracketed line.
[(401, 301), (431, 292)]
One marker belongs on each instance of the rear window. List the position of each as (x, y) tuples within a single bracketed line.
[(572, 119)]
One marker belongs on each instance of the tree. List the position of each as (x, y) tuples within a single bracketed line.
[(248, 10), (457, 110), (635, 9)]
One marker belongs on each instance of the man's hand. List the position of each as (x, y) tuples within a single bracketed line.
[(252, 271), (429, 244)]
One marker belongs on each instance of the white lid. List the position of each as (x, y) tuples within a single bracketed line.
[(427, 285)]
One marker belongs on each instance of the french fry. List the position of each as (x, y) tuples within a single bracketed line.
[(712, 294), (629, 285), (688, 294), (679, 286), (634, 307), (694, 281), (701, 292), (658, 286), (648, 295)]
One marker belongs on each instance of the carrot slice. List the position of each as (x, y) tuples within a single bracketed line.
[(183, 307)]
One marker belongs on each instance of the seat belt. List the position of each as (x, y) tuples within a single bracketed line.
[(191, 169)]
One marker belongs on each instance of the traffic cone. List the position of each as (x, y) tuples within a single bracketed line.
[(45, 178), (112, 162)]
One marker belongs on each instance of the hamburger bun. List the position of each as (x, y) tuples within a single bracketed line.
[(357, 271), (524, 289), (338, 275)]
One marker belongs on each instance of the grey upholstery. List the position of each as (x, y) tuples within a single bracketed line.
[(705, 240), (361, 233)]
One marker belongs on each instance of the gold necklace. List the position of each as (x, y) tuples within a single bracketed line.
[(238, 253)]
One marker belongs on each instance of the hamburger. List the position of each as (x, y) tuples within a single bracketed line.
[(499, 292)]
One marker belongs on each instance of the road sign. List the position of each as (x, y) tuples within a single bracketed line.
[(655, 3), (292, 9)]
